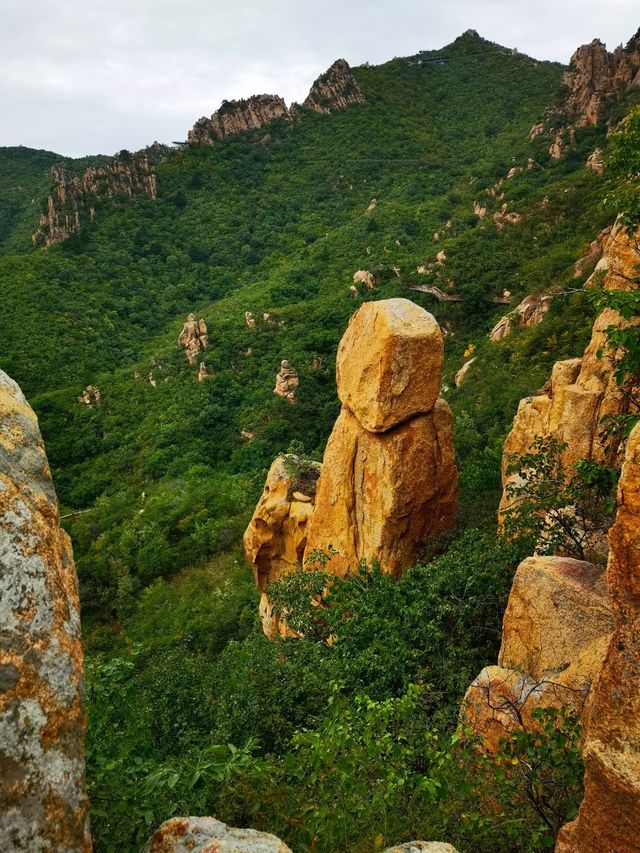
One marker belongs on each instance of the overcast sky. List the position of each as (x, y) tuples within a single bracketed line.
[(91, 76)]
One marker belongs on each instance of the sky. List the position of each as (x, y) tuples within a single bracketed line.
[(88, 76)]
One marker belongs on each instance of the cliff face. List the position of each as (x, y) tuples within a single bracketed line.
[(72, 200), (597, 77), (608, 817), (334, 90), (43, 803)]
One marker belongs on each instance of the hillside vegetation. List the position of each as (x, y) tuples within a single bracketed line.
[(191, 709)]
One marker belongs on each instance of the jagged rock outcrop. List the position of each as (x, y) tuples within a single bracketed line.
[(286, 381), (336, 89), (73, 199), (608, 817), (193, 338), (582, 390), (43, 802), (595, 161), (596, 77), (555, 632), (529, 312), (504, 216), (276, 537), (389, 477), (235, 117), (208, 835), (460, 375)]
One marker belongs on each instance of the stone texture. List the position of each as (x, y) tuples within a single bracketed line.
[(334, 90), (286, 381), (608, 817), (208, 835), (595, 161), (364, 277), (43, 803), (555, 633), (596, 249), (276, 537), (235, 117), (422, 847), (72, 200), (531, 311), (389, 363), (193, 338), (380, 494), (460, 375)]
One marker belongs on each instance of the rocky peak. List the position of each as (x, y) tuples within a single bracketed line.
[(73, 198), (234, 117), (336, 89)]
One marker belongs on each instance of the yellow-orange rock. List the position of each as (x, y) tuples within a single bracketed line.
[(609, 817), (43, 803), (389, 363), (555, 633), (380, 494), (276, 537)]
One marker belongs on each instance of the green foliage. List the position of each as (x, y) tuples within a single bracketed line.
[(556, 509)]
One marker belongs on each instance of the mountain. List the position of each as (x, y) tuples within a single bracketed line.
[(164, 296)]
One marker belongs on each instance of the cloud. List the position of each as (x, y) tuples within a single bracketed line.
[(88, 76)]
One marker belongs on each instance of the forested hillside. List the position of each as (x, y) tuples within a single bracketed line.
[(432, 181)]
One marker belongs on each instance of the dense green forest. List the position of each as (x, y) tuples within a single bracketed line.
[(341, 747)]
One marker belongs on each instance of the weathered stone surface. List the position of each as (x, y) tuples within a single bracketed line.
[(72, 200), (193, 338), (43, 803), (336, 89), (595, 161), (208, 835), (286, 381), (90, 395), (380, 494), (235, 117), (389, 363), (364, 277), (203, 372), (531, 311), (596, 249), (608, 817), (422, 847), (460, 375), (276, 537)]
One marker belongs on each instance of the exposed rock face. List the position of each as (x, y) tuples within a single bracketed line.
[(555, 632), (595, 161), (389, 476), (235, 117), (193, 338), (563, 139), (286, 381), (460, 375), (597, 77), (208, 835), (43, 803), (596, 248), (73, 199), (249, 319), (336, 89), (364, 277), (422, 847), (203, 373), (389, 363), (583, 390), (529, 312), (608, 817), (503, 216), (276, 537)]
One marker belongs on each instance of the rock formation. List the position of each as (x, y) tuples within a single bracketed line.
[(388, 477), (203, 372), (193, 338), (460, 375), (73, 199), (608, 817), (582, 390), (90, 395), (276, 537), (364, 277), (595, 161), (555, 632), (529, 312), (336, 89), (43, 803), (502, 216), (596, 249), (235, 117), (422, 847), (208, 835), (249, 319), (286, 381), (596, 77)]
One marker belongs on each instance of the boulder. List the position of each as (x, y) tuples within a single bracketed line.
[(43, 802), (608, 816), (422, 847), (286, 381), (460, 375), (208, 835), (364, 277), (380, 494), (389, 363)]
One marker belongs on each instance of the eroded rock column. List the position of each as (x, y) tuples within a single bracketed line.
[(43, 803)]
